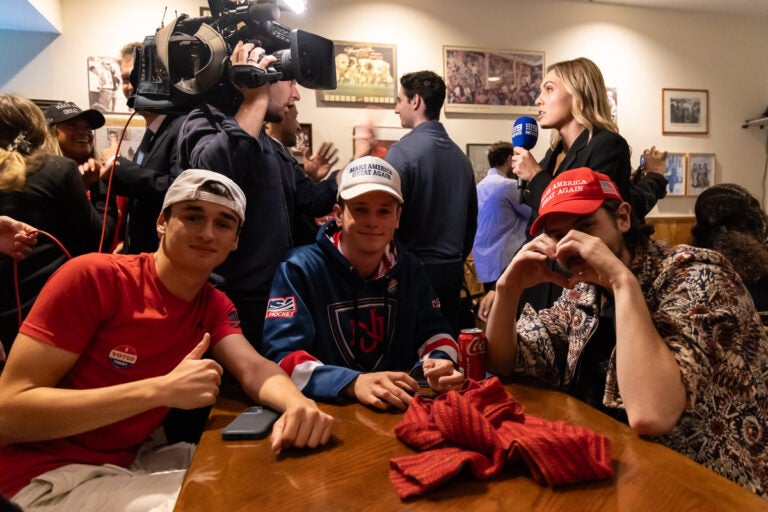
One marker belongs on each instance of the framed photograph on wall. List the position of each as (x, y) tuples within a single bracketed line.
[(383, 138), (303, 140), (105, 86), (701, 172), (481, 81), (677, 165), (366, 74), (478, 155), (613, 101), (684, 111), (107, 137)]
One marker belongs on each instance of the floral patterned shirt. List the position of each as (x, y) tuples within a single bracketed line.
[(705, 314)]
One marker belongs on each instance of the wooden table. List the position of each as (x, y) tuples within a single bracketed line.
[(352, 474)]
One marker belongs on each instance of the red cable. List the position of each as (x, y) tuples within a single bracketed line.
[(109, 182), (16, 268)]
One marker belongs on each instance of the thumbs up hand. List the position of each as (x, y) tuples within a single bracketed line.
[(195, 381)]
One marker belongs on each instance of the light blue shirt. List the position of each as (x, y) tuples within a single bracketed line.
[(501, 222)]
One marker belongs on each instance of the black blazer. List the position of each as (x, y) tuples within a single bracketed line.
[(606, 152), (145, 185)]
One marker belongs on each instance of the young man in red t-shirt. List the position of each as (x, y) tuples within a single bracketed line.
[(113, 341)]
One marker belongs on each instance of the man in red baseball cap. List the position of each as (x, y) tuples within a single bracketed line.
[(664, 339)]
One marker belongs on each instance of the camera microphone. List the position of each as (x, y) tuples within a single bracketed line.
[(525, 134)]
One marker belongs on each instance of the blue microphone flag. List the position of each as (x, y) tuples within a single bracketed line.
[(525, 132)]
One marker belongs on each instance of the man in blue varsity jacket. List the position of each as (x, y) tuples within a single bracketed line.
[(353, 316)]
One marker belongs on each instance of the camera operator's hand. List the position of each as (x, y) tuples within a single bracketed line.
[(250, 114)]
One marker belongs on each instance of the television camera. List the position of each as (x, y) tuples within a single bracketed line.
[(187, 61)]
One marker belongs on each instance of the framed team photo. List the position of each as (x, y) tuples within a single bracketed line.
[(366, 74)]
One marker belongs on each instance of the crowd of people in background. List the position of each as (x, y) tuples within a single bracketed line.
[(206, 242)]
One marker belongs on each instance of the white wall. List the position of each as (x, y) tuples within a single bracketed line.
[(51, 10), (640, 51)]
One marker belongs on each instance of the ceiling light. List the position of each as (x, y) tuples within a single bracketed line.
[(297, 6)]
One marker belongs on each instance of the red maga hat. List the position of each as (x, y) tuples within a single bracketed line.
[(578, 191)]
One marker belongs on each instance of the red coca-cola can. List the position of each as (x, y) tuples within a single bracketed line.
[(472, 344)]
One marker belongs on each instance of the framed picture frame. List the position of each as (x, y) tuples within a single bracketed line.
[(483, 81), (384, 137), (107, 137), (701, 172), (478, 155), (105, 86), (205, 11), (366, 74), (613, 101), (676, 174), (303, 140), (684, 111)]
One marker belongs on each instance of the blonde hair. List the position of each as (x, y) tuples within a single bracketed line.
[(584, 82), (24, 140)]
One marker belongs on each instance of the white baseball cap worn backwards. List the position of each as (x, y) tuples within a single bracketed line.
[(187, 187)]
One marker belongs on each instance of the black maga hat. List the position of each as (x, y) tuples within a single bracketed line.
[(61, 112)]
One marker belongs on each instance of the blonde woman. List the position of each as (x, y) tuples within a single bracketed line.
[(45, 191), (574, 103)]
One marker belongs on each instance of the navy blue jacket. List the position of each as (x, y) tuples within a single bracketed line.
[(325, 324), (145, 186), (439, 216)]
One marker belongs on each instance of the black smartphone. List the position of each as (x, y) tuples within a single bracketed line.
[(253, 423)]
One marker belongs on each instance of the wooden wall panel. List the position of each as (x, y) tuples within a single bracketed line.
[(673, 230)]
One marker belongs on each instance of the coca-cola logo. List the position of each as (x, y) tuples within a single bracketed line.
[(475, 346)]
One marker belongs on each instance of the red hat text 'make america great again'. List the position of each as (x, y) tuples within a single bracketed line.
[(578, 191)]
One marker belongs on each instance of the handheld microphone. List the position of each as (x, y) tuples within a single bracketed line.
[(525, 134)]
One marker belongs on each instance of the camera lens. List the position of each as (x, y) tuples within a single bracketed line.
[(309, 64)]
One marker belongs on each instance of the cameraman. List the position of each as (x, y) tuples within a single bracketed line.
[(234, 142)]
